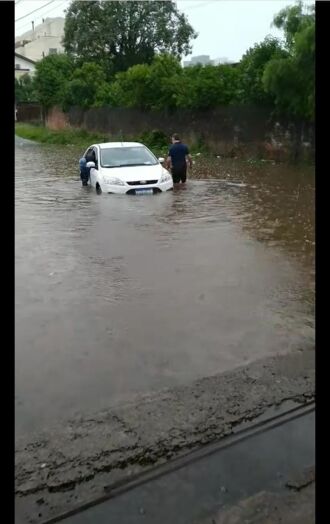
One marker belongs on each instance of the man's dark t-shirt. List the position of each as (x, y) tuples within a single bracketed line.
[(178, 153)]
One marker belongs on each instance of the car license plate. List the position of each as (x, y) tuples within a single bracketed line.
[(143, 191)]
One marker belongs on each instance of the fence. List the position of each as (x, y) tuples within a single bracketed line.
[(228, 131)]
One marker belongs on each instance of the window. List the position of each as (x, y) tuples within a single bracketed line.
[(53, 51), (17, 66), (127, 156)]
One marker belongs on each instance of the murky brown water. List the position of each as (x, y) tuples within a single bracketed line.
[(117, 295)]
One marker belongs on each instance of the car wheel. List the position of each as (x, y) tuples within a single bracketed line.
[(98, 188)]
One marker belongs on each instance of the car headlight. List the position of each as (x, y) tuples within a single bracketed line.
[(113, 181), (166, 177)]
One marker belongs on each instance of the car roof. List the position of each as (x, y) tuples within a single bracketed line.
[(109, 145)]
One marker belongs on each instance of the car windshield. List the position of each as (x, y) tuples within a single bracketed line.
[(127, 156)]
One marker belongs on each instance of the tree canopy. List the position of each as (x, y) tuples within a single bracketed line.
[(52, 74), (291, 79), (127, 54), (119, 35)]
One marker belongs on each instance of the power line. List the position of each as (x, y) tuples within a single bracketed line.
[(201, 4), (38, 9), (25, 24)]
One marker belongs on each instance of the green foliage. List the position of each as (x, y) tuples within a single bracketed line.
[(293, 20), (52, 74), (25, 89), (291, 80), (62, 137), (119, 35), (127, 54), (251, 70), (207, 87), (87, 88), (164, 85), (155, 139), (148, 87)]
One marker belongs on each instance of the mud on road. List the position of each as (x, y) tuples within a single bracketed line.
[(69, 465)]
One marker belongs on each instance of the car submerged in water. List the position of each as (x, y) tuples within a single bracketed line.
[(126, 168)]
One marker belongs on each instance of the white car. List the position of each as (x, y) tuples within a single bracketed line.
[(126, 167)]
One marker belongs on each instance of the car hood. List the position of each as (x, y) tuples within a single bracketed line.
[(134, 173)]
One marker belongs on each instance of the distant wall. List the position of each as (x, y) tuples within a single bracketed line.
[(226, 131), (29, 112)]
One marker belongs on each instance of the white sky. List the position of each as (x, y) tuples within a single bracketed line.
[(227, 28)]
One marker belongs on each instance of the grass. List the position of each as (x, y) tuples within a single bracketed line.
[(157, 141), (69, 136)]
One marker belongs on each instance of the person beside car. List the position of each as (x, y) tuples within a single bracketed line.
[(84, 171), (178, 159)]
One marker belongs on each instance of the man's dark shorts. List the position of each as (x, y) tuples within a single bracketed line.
[(179, 174)]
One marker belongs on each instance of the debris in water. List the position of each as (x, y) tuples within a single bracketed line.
[(238, 184)]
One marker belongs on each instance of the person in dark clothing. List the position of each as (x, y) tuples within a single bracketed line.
[(84, 171), (178, 159)]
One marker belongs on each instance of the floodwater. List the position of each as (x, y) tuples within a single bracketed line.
[(118, 295)]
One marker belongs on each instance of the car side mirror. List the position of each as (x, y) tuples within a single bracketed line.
[(161, 160), (90, 164)]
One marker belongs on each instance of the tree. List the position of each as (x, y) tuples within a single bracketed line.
[(131, 88), (291, 80), (119, 35), (165, 86), (205, 87), (52, 74), (87, 88), (25, 89), (293, 20), (148, 87), (252, 67)]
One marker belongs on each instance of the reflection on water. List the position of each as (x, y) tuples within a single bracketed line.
[(116, 294)]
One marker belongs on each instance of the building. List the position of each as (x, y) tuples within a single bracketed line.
[(205, 60), (221, 60), (23, 65), (198, 60), (41, 41)]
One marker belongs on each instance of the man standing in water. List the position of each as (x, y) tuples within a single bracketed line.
[(177, 160)]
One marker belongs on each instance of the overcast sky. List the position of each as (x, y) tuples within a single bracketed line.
[(226, 28)]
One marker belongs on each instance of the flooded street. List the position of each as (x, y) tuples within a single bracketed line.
[(119, 295)]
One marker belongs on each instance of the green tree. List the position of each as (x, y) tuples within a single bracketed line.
[(148, 87), (252, 67), (119, 35), (293, 20), (164, 85), (25, 89), (205, 87), (164, 76), (131, 88), (87, 88), (52, 74), (291, 80)]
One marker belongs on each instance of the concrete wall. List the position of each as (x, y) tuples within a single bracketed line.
[(245, 132), (227, 131)]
